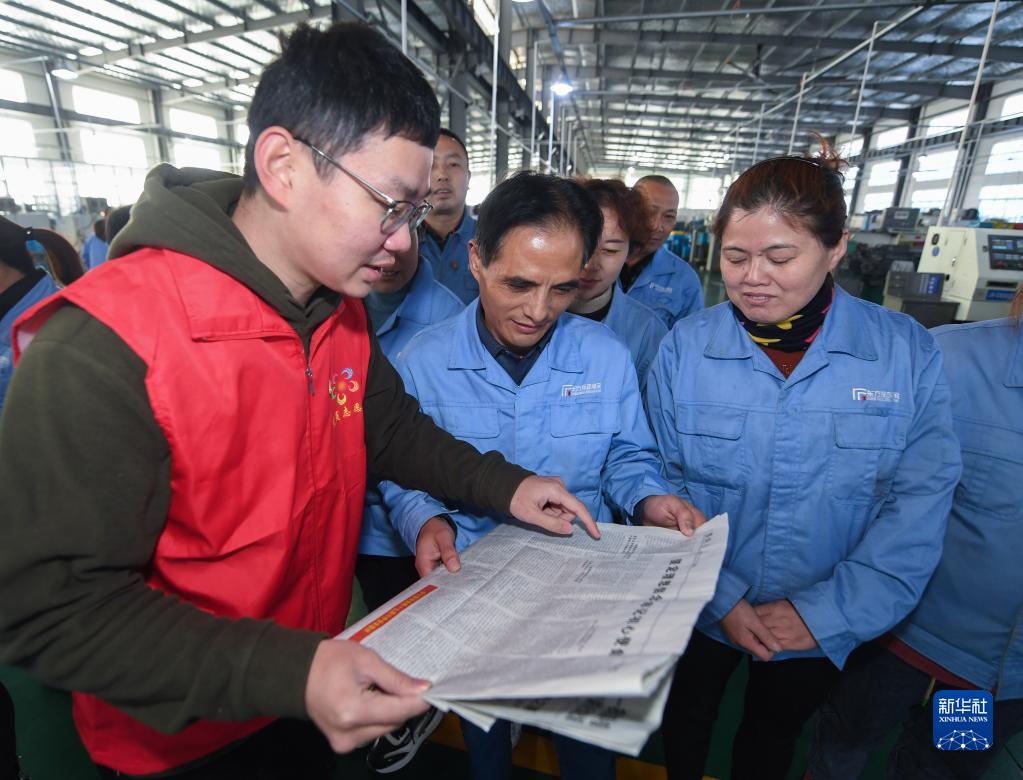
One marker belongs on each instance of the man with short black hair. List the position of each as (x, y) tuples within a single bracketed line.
[(655, 275), (206, 408), (450, 227), (513, 373)]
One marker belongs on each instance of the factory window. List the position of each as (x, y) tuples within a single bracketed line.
[(1006, 157), (851, 148), (12, 86), (1013, 105), (893, 137), (102, 147), (928, 199), (19, 139), (189, 154), (883, 174), (190, 122), (241, 133), (947, 123), (935, 167), (1001, 201), (95, 102), (704, 193), (878, 201)]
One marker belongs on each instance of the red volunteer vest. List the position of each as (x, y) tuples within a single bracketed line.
[(268, 459)]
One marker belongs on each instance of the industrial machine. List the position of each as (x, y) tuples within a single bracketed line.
[(982, 268)]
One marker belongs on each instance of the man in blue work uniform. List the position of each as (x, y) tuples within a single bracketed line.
[(449, 227), (511, 374), (405, 300), (654, 275)]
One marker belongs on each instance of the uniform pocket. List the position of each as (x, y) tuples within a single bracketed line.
[(711, 448), (580, 438), (862, 464), (992, 480)]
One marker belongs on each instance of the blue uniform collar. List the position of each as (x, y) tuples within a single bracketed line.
[(843, 332), (468, 352), (416, 307), (1014, 376)]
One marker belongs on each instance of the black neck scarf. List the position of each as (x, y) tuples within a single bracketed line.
[(796, 333)]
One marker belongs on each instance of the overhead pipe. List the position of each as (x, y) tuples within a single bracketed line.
[(944, 216), (863, 83)]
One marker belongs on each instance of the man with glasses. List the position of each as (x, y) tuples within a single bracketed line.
[(184, 451)]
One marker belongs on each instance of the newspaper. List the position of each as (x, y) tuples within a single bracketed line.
[(570, 634)]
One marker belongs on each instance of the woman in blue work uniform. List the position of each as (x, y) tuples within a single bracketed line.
[(966, 632), (600, 297), (560, 393), (822, 424)]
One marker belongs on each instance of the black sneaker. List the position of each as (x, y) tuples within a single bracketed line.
[(393, 751)]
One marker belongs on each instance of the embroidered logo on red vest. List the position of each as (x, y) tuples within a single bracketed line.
[(341, 384)]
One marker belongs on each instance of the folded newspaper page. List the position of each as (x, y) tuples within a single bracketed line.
[(570, 634)]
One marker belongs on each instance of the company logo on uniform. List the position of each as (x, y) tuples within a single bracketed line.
[(571, 391), (658, 288), (340, 385), (963, 720), (884, 396)]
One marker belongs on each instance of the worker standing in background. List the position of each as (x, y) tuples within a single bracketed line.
[(600, 297), (966, 632), (96, 246), (654, 275), (404, 300), (450, 227), (211, 403), (822, 425)]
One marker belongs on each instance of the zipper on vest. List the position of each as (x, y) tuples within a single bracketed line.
[(309, 376)]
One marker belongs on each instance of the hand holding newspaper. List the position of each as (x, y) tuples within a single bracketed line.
[(570, 634)]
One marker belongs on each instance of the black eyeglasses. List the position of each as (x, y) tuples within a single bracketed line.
[(399, 212)]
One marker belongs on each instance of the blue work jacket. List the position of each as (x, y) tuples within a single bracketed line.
[(426, 303), (44, 288), (639, 328), (451, 264), (837, 481), (969, 618), (669, 286), (578, 415)]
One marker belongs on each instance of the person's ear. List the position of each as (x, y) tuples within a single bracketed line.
[(475, 263), (275, 156), (835, 255)]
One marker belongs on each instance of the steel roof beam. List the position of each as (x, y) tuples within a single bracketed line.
[(733, 11), (593, 36), (874, 110)]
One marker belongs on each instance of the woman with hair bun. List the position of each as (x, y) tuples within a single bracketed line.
[(822, 425), (22, 284)]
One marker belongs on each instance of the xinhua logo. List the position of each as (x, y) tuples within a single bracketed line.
[(963, 720)]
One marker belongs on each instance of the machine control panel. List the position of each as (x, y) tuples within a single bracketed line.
[(1005, 253)]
